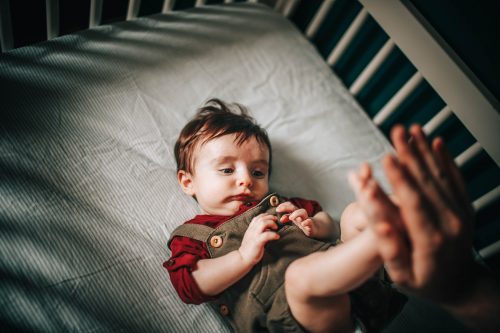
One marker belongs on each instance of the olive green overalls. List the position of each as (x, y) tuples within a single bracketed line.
[(257, 302)]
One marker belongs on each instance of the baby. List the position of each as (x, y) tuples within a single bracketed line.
[(269, 263)]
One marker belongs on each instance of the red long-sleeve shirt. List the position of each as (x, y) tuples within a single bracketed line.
[(186, 252)]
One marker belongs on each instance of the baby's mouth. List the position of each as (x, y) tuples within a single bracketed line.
[(242, 197)]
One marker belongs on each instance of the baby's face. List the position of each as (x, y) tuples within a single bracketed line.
[(227, 175)]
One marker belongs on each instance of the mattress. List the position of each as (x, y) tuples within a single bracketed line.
[(88, 190)]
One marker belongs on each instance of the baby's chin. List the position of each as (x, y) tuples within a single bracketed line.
[(228, 210)]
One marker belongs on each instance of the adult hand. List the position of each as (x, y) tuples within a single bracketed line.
[(426, 239)]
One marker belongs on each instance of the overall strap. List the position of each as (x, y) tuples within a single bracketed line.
[(197, 232)]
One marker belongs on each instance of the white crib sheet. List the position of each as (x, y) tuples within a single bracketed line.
[(88, 191)]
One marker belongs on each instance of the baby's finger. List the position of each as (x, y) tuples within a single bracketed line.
[(299, 215), (270, 223), (263, 221), (285, 218), (268, 236), (286, 207)]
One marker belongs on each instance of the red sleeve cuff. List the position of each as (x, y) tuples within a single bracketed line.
[(179, 267)]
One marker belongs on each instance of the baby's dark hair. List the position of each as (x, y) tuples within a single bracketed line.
[(215, 119)]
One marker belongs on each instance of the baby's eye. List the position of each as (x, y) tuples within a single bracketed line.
[(259, 174), (226, 170)]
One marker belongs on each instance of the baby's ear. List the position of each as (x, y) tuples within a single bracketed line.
[(186, 182)]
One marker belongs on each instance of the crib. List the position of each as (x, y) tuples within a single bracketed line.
[(91, 110)]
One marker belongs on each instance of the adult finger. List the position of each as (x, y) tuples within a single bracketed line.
[(407, 153), (395, 252), (418, 217), (424, 151), (456, 182), (413, 162)]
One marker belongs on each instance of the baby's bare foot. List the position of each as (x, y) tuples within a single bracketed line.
[(382, 213), (375, 204)]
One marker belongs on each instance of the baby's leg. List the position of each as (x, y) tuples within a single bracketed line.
[(352, 222), (316, 286)]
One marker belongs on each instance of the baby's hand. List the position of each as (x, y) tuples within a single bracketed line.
[(297, 216), (259, 233)]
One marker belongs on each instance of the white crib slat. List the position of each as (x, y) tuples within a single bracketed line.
[(468, 154), (95, 13), (168, 5), (490, 250), (5, 26), (437, 120), (318, 18), (228, 1), (486, 199), (278, 6), (133, 9), (52, 14), (290, 7), (397, 99), (371, 68), (347, 37), (199, 3)]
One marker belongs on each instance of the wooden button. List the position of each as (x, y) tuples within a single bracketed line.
[(216, 241), (171, 262), (274, 201), (224, 310)]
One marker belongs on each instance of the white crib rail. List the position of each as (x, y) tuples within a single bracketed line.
[(469, 99), (434, 60)]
